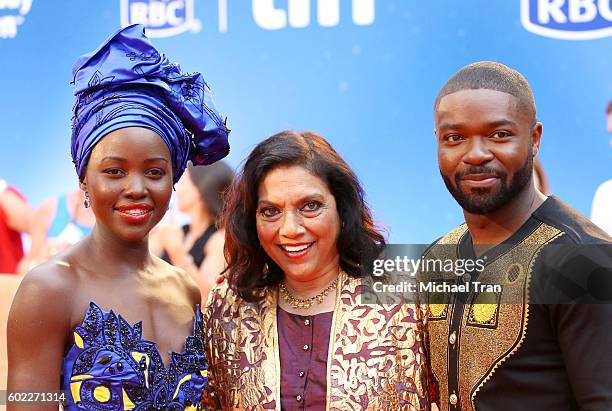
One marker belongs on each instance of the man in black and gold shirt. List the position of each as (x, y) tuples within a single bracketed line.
[(542, 340)]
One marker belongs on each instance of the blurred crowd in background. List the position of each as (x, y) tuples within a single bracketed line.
[(188, 237)]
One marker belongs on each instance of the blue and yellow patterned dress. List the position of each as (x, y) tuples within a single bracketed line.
[(110, 367)]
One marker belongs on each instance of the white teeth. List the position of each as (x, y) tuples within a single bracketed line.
[(135, 211), (295, 249)]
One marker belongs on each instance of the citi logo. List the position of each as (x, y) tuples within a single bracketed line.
[(161, 18), (568, 19), (164, 18), (298, 13)]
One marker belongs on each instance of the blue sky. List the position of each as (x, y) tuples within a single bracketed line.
[(368, 89)]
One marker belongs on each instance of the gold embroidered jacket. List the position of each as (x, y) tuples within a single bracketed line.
[(376, 353), (525, 347)]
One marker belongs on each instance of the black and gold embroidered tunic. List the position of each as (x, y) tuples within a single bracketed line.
[(542, 342)]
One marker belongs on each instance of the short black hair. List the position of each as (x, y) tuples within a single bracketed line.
[(492, 76), (609, 108)]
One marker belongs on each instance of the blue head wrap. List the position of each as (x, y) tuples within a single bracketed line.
[(126, 82)]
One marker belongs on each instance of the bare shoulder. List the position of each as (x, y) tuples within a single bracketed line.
[(180, 278), (50, 281), (43, 215), (43, 299), (10, 196), (47, 208), (38, 328), (216, 241)]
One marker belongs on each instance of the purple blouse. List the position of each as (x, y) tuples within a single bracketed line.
[(303, 346)]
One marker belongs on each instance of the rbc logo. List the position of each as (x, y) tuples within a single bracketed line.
[(568, 19), (161, 18)]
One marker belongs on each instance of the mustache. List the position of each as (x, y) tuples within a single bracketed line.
[(479, 170)]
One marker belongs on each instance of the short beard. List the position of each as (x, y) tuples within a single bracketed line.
[(483, 201)]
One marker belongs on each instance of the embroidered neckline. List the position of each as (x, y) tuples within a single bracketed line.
[(110, 364), (137, 329)]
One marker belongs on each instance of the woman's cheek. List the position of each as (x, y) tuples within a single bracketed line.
[(266, 232)]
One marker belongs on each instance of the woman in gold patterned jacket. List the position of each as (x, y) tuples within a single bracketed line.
[(288, 330)]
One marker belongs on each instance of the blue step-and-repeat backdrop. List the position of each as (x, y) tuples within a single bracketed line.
[(363, 73)]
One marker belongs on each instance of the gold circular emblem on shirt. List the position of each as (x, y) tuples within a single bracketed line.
[(436, 310), (484, 313)]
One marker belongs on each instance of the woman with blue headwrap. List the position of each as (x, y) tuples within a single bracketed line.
[(106, 321)]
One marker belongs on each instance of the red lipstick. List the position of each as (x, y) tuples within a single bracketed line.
[(134, 213)]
